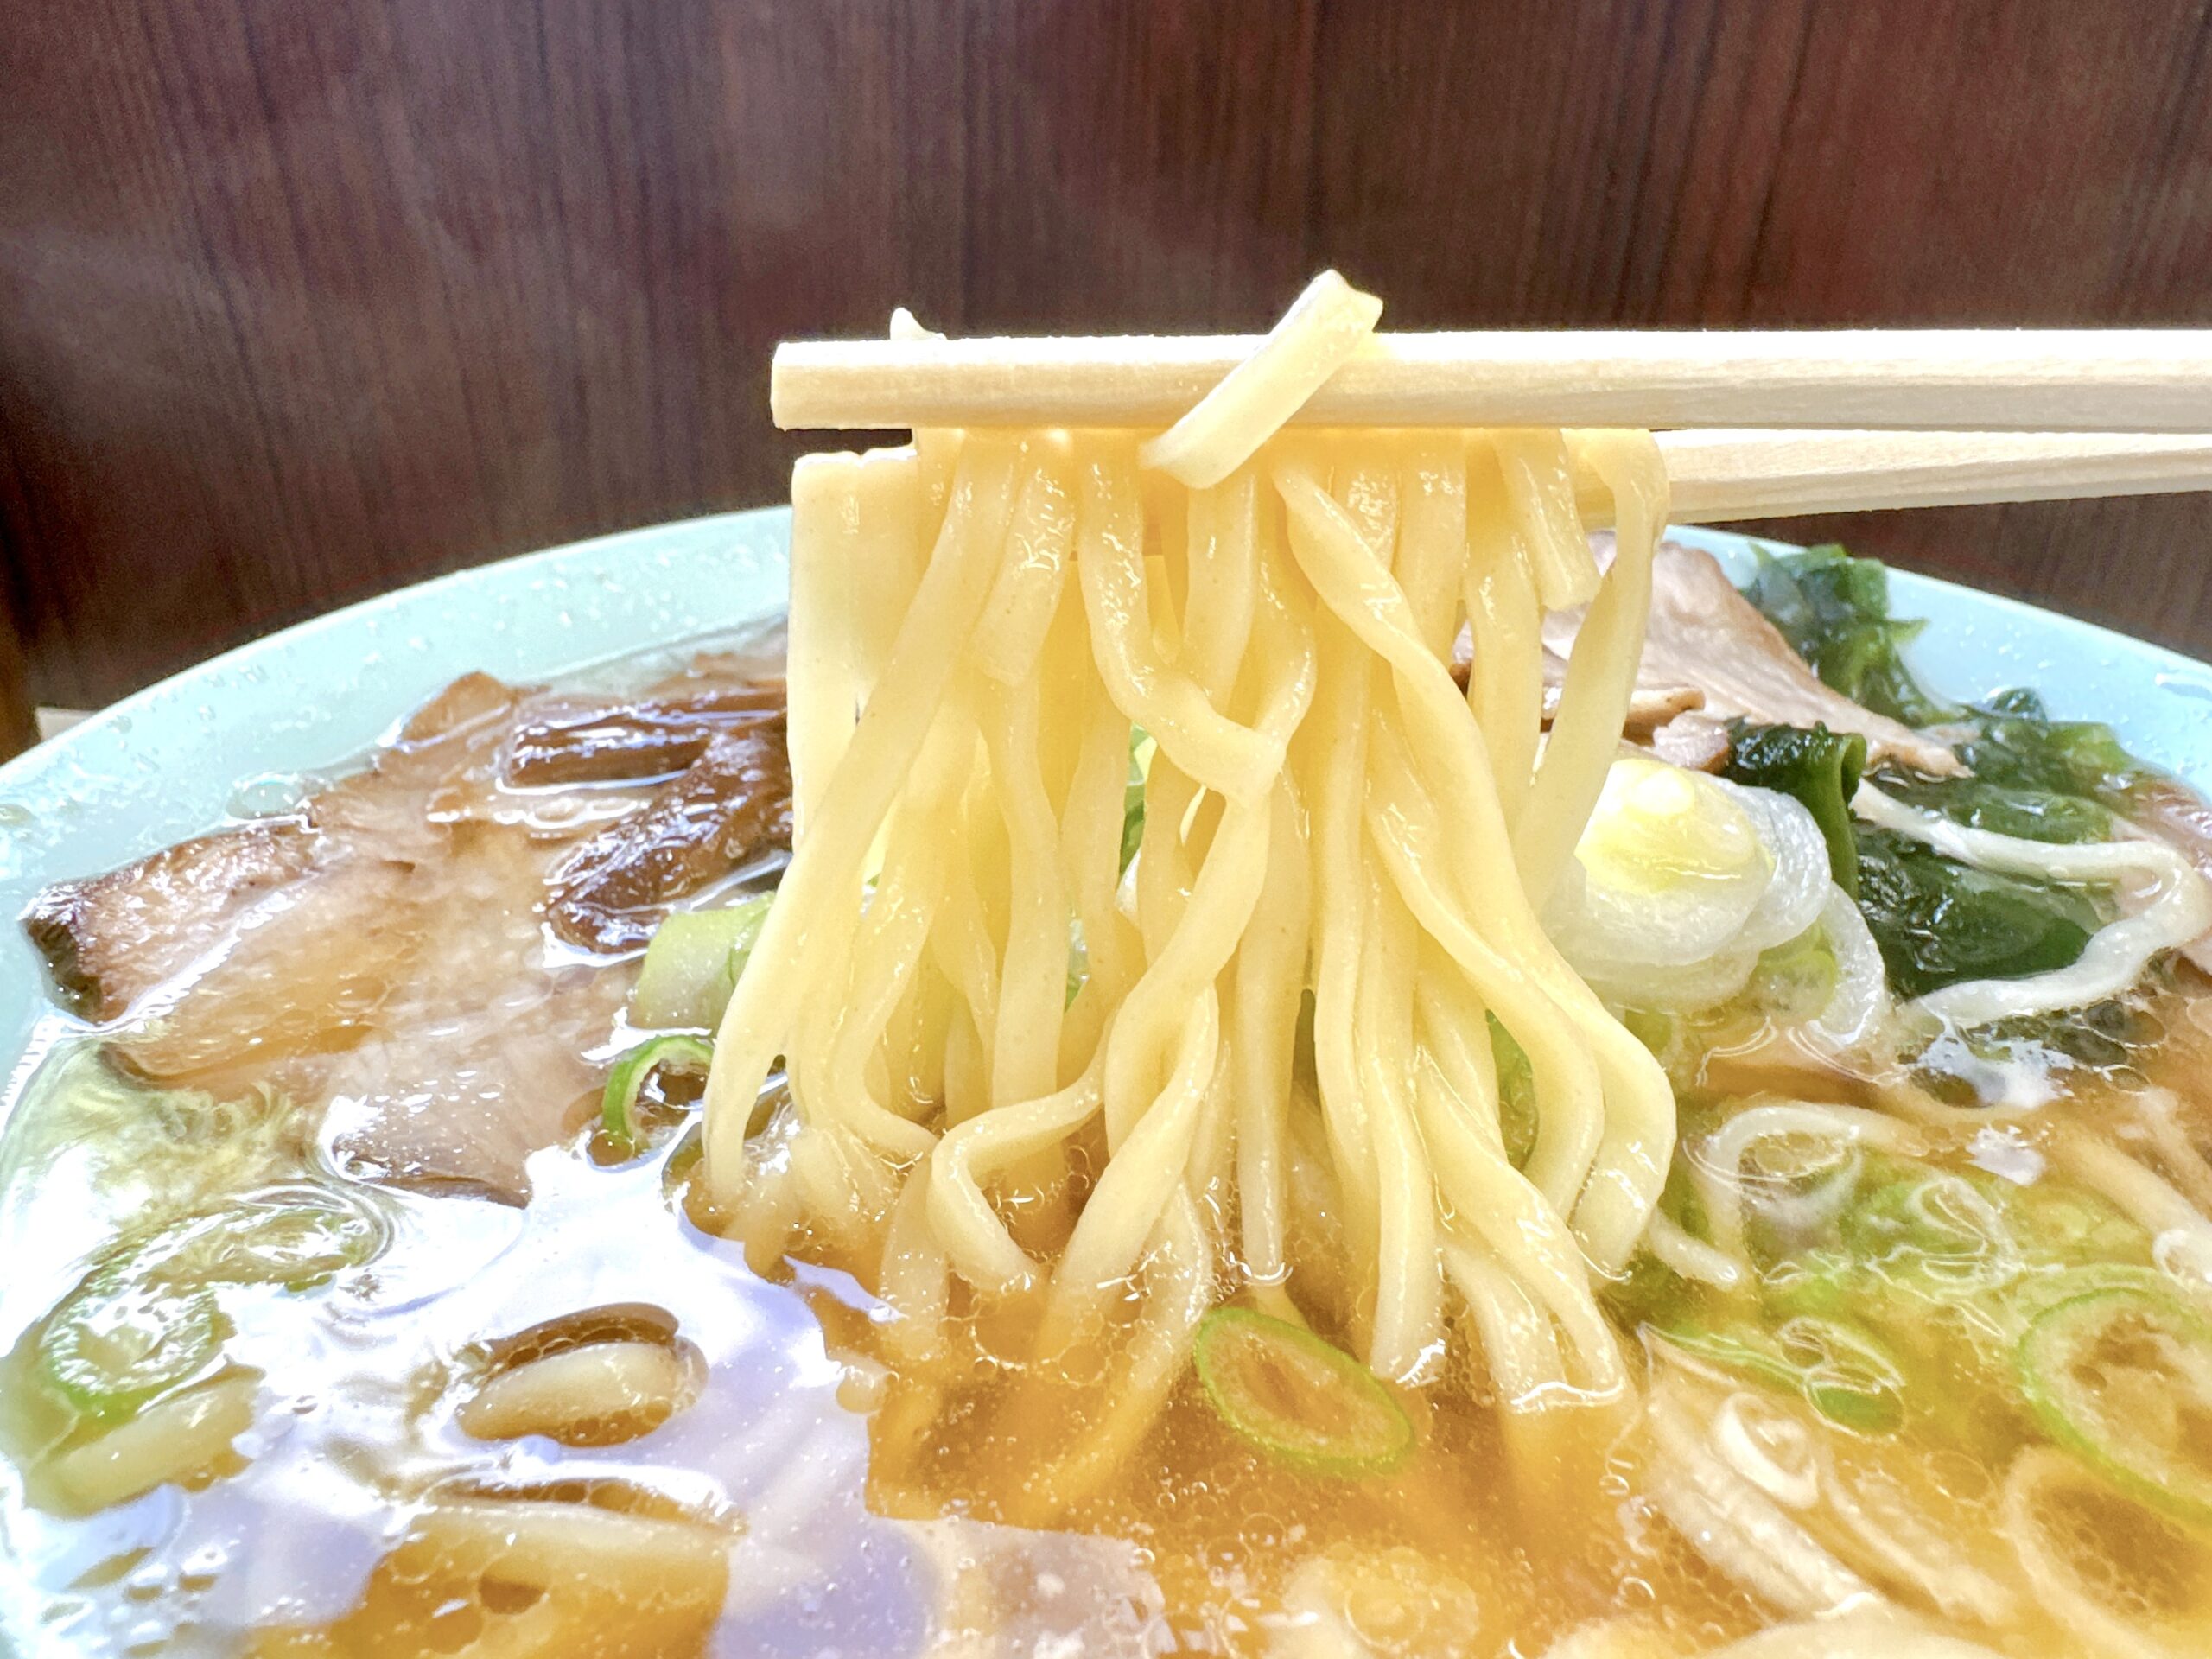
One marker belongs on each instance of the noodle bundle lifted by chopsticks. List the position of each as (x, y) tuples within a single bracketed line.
[(1020, 1076)]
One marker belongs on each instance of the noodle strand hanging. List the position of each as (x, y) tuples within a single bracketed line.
[(1052, 1063)]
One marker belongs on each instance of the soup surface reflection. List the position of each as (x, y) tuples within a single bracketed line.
[(341, 1322)]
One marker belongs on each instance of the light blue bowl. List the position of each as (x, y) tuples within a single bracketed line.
[(169, 762), (172, 760)]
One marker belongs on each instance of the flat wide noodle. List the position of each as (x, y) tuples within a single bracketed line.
[(1324, 816)]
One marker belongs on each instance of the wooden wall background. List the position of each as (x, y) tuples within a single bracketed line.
[(299, 301)]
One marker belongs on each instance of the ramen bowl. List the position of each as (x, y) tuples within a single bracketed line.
[(246, 735)]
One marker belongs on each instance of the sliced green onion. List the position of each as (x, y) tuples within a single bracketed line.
[(294, 1236), (124, 1337), (1516, 1092), (1841, 1373), (2063, 1224), (691, 966), (2123, 1379), (1298, 1399), (2033, 1295), (1795, 980), (618, 1107), (1848, 1377), (1931, 1231), (1823, 1283), (148, 1320), (1141, 753)]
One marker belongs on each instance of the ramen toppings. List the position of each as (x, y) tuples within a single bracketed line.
[(1238, 1127)]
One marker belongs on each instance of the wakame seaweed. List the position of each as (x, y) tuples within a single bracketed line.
[(1820, 768), (2027, 814), (1834, 611), (2033, 777), (2015, 742), (1936, 920), (1939, 922)]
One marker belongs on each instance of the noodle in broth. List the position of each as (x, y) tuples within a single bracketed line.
[(1252, 1120), (1320, 815)]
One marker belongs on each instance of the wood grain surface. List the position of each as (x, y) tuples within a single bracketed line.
[(302, 301)]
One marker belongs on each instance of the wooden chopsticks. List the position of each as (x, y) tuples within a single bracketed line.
[(1719, 477), (2075, 379), (1753, 425)]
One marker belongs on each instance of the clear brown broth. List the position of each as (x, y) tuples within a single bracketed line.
[(355, 1430)]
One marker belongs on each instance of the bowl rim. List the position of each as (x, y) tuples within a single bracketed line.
[(348, 617), (1910, 591)]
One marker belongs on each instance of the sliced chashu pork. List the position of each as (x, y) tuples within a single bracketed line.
[(1650, 706), (569, 741), (384, 951), (719, 813), (110, 939), (1706, 635), (1664, 719)]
